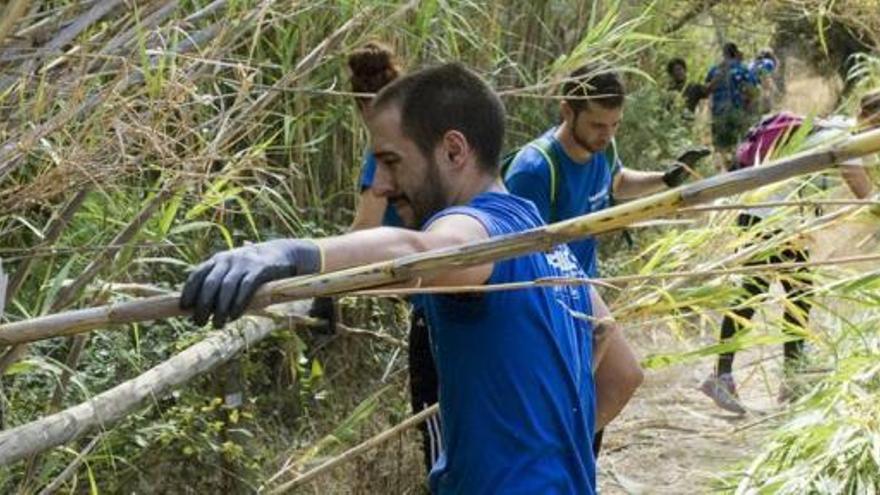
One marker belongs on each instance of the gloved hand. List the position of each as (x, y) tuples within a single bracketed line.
[(224, 285), (675, 175), (324, 308), (693, 155)]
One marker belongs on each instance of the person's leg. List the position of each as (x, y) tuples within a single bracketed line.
[(597, 442), (424, 387), (732, 323), (797, 313), (720, 386)]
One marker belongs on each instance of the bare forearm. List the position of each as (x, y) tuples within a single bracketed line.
[(616, 369), (369, 246), (633, 183), (617, 377), (385, 243)]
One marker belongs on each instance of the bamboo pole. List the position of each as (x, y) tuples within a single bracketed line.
[(428, 263), (104, 409), (611, 281), (782, 204)]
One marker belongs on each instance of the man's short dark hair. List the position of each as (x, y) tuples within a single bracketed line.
[(448, 97), (593, 84), (730, 50), (677, 61)]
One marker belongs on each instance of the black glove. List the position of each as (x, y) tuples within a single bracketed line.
[(693, 155), (675, 175), (324, 308), (225, 284)]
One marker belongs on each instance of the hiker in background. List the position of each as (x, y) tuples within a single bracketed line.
[(733, 92), (771, 134), (373, 66), (690, 92), (573, 170), (764, 69), (515, 398)]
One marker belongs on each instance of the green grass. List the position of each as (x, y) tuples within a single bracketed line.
[(234, 171)]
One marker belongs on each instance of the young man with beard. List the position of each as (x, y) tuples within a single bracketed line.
[(567, 172), (514, 397)]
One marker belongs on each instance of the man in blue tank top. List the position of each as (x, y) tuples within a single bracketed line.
[(515, 399), (571, 171)]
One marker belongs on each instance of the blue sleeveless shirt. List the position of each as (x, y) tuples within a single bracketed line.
[(516, 389)]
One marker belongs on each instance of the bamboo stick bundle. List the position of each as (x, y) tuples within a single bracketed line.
[(428, 263), (112, 405)]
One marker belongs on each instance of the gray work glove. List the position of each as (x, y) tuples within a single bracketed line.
[(224, 285)]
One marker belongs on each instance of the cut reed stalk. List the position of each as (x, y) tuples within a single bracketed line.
[(487, 251)]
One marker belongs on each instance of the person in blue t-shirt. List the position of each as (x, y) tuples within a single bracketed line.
[(567, 172), (514, 397), (373, 66), (733, 91)]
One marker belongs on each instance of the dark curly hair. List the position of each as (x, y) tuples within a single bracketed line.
[(372, 66)]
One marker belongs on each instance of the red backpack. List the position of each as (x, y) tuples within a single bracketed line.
[(767, 135)]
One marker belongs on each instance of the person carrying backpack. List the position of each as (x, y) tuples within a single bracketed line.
[(765, 138), (572, 170), (733, 92)]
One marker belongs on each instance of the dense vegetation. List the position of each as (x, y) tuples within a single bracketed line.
[(138, 137)]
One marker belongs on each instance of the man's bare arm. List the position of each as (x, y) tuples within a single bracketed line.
[(629, 183), (385, 243)]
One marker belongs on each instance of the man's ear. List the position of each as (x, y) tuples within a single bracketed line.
[(566, 111), (455, 148)]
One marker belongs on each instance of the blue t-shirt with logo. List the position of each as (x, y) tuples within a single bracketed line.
[(517, 399), (582, 188), (390, 218), (734, 79)]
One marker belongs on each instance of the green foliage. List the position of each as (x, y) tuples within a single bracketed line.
[(143, 122)]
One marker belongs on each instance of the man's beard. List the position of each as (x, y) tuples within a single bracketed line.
[(583, 143), (429, 199)]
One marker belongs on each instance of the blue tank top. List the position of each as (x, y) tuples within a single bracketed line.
[(390, 218), (516, 389)]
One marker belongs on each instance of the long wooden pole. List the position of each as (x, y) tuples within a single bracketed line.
[(362, 447), (114, 404), (489, 250)]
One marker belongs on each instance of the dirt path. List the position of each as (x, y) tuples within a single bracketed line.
[(673, 439)]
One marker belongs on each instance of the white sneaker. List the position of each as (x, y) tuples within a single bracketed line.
[(722, 390)]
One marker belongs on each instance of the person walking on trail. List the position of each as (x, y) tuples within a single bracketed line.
[(764, 68), (514, 397), (733, 92), (373, 66), (572, 170), (720, 386), (691, 93)]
